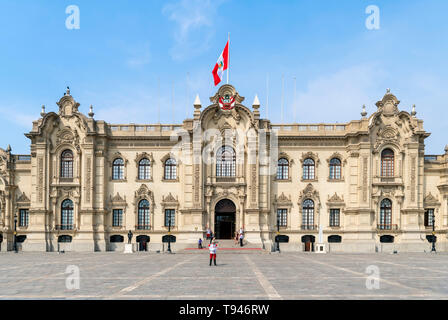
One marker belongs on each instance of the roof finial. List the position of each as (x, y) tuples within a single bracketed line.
[(8, 148), (388, 90), (67, 91), (364, 112), (42, 113), (446, 149), (256, 103), (91, 114), (197, 102), (413, 112)]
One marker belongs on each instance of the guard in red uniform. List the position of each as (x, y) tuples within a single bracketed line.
[(213, 247)]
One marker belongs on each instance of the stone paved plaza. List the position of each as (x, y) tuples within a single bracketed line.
[(237, 276)]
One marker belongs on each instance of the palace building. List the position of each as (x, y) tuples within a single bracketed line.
[(362, 186)]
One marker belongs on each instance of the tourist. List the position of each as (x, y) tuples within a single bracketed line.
[(211, 236), (208, 233), (200, 243), (213, 247), (241, 239)]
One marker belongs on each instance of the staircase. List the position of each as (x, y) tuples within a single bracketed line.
[(228, 246)]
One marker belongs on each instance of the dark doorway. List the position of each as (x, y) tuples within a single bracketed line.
[(142, 242), (387, 239), (225, 211), (308, 240)]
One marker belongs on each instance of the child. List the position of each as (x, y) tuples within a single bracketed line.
[(213, 247)]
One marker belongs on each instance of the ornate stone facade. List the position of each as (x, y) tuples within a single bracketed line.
[(367, 183)]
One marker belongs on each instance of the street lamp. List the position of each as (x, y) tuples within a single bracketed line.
[(169, 233), (15, 232), (433, 249), (278, 232)]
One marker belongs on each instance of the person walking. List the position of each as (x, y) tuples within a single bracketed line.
[(213, 247), (241, 239), (200, 243)]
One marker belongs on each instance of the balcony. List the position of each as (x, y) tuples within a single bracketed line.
[(142, 227), (387, 227), (308, 227)]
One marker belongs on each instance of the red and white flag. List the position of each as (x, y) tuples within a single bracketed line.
[(221, 65)]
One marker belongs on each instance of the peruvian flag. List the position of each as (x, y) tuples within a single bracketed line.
[(221, 65)]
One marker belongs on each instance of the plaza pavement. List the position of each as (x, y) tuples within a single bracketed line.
[(248, 276)]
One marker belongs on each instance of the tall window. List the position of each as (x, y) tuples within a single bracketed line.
[(67, 215), (117, 217), (308, 169), (283, 169), (335, 169), (429, 217), (282, 217), (387, 163), (385, 215), (67, 164), (334, 217), (143, 215), (118, 169), (308, 214), (170, 217), (23, 217), (226, 162), (144, 169), (170, 169)]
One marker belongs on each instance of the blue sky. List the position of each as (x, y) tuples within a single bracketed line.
[(123, 49)]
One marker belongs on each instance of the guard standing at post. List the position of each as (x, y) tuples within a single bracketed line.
[(213, 247)]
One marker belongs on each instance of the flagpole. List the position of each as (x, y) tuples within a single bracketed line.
[(283, 98), (294, 101), (158, 100), (267, 96), (228, 58)]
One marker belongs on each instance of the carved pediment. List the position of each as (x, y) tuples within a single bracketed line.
[(169, 200), (23, 198), (67, 136), (117, 199), (388, 106), (309, 193), (430, 200), (144, 193), (311, 155), (67, 105), (283, 200), (335, 200)]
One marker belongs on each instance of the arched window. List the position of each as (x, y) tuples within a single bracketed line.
[(308, 169), (335, 169), (144, 169), (118, 169), (143, 215), (283, 169), (429, 217), (385, 215), (308, 215), (67, 164), (170, 169), (387, 163), (67, 215), (226, 162)]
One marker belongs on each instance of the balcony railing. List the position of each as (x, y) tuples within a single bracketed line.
[(308, 227), (143, 227), (65, 227), (387, 227)]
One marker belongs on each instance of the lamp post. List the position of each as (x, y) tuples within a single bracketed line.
[(433, 249), (169, 233), (15, 232), (278, 232)]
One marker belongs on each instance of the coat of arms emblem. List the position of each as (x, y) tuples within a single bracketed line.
[(226, 102)]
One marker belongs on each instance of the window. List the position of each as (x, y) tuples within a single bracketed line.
[(429, 217), (308, 169), (118, 169), (334, 217), (117, 217), (226, 162), (116, 238), (283, 169), (143, 215), (385, 215), (144, 169), (387, 163), (308, 214), (170, 169), (23, 217), (334, 239), (282, 217), (67, 215), (170, 219), (335, 169), (67, 164)]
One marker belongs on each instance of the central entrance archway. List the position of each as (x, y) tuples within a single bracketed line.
[(225, 212)]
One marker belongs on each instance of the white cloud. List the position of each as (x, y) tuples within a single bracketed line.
[(12, 114), (139, 55), (191, 17)]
